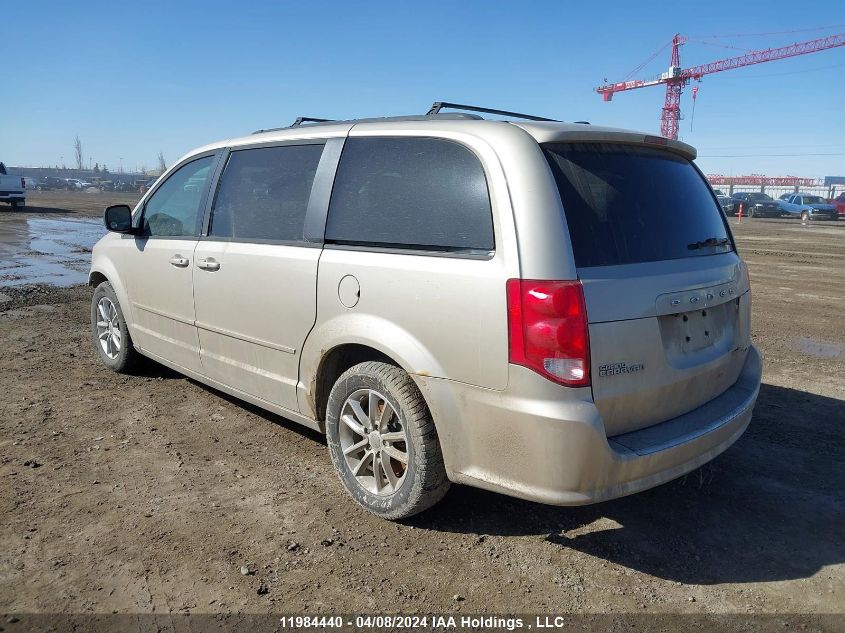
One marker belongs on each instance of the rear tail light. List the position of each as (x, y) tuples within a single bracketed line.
[(23, 183), (547, 327)]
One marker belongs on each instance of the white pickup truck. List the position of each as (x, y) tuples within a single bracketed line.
[(12, 188)]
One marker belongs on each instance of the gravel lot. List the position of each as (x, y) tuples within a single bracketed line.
[(152, 493)]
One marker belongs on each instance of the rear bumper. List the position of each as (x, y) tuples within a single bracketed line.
[(528, 442), (9, 196)]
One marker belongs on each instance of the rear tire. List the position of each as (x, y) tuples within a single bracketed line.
[(750, 212), (383, 443), (109, 331)]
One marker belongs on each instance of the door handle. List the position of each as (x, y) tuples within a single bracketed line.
[(179, 261), (208, 264)]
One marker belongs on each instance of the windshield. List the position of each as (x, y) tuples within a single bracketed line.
[(759, 196), (627, 204)]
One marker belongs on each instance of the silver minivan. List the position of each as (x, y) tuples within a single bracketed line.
[(552, 311)]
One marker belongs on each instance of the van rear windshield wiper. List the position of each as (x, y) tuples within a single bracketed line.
[(710, 241)]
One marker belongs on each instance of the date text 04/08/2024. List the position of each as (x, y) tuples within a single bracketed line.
[(423, 622)]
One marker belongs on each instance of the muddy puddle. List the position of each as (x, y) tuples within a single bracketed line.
[(55, 251)]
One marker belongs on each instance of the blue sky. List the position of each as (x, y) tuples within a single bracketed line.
[(133, 79)]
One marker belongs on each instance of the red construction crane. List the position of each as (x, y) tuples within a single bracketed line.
[(676, 77)]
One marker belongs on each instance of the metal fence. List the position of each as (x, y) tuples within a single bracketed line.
[(777, 191)]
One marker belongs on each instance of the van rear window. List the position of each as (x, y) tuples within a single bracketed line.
[(628, 204)]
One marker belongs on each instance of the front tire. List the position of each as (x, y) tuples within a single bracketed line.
[(109, 331), (383, 443), (805, 217)]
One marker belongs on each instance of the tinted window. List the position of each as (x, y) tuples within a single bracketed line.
[(627, 204), (414, 192), (174, 208), (264, 192)]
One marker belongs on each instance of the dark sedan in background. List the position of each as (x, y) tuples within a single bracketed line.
[(51, 182), (727, 204), (756, 205)]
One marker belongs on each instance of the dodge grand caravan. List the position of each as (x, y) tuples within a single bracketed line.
[(552, 311)]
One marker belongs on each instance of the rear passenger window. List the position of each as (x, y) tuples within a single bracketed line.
[(264, 192), (421, 193)]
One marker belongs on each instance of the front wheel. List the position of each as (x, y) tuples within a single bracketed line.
[(383, 443), (805, 217), (750, 212), (109, 330)]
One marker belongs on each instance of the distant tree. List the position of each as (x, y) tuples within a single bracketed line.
[(105, 169), (96, 168), (77, 152), (162, 165)]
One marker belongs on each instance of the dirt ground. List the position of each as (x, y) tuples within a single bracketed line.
[(152, 493)]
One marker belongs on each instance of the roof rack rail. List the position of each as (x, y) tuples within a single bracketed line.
[(299, 121), (308, 119), (437, 106)]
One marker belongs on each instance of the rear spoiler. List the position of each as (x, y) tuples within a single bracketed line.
[(556, 133)]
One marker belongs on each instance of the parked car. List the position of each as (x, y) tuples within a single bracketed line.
[(73, 183), (727, 204), (119, 185), (51, 182), (508, 305), (839, 203), (12, 188), (756, 205), (809, 207), (30, 183)]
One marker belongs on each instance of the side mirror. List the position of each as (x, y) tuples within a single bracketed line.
[(118, 219)]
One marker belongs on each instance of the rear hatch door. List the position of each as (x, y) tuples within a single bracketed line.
[(666, 293)]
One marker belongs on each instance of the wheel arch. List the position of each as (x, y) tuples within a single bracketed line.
[(340, 343), (333, 363), (104, 271)]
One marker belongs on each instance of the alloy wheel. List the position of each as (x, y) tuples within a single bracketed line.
[(108, 328), (374, 442)]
